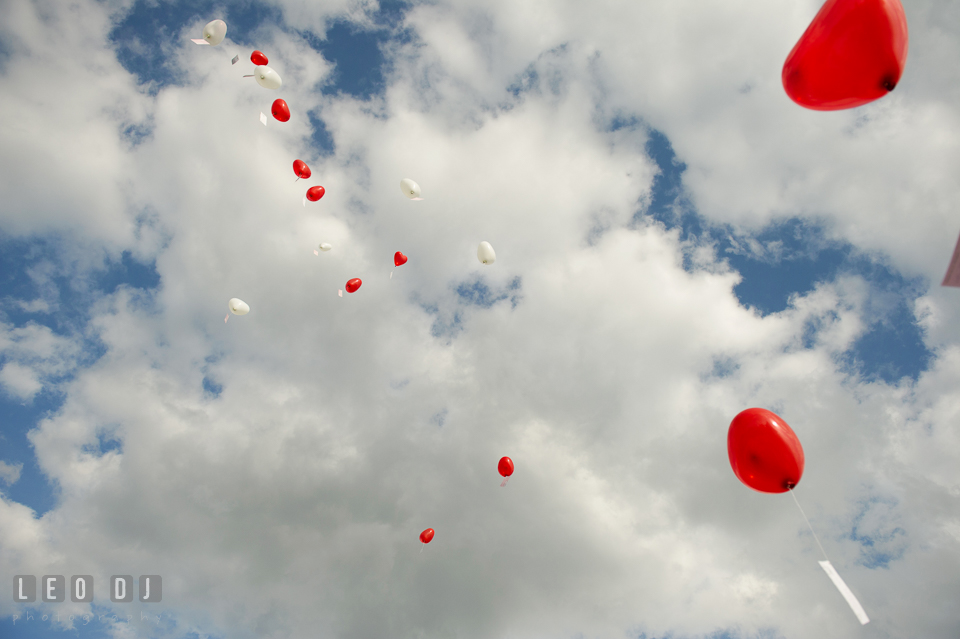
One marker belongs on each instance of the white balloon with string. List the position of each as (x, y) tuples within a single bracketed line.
[(237, 307), (486, 254), (410, 188), (213, 33)]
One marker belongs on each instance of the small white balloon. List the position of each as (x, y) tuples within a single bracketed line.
[(410, 188), (238, 306), (325, 247), (215, 31), (485, 253), (267, 77)]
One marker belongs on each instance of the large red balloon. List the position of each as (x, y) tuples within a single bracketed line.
[(852, 53), (301, 170), (399, 258), (314, 193), (505, 466), (280, 110), (259, 59), (764, 451), (427, 536), (353, 285)]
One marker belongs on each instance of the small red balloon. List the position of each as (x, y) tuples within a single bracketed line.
[(301, 170), (399, 258), (764, 451), (353, 285), (505, 466), (852, 53), (426, 536), (280, 110), (314, 193), (259, 59)]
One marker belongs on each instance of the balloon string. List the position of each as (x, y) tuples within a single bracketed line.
[(504, 482), (817, 539), (421, 547)]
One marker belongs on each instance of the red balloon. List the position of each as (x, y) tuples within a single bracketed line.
[(852, 53), (314, 193), (301, 170), (764, 451), (353, 285), (259, 59), (280, 110), (427, 536), (505, 466), (399, 258)]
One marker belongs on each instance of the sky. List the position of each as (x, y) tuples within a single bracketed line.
[(676, 241)]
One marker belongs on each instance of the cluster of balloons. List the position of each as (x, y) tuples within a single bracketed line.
[(853, 53), (266, 77), (213, 34)]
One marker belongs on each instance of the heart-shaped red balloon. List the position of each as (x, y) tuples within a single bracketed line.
[(280, 110), (314, 193), (852, 53), (353, 285), (399, 258), (259, 59), (300, 169), (764, 451)]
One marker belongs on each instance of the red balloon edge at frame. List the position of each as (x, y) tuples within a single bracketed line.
[(353, 285), (314, 193), (764, 452), (853, 52), (301, 170), (505, 467), (427, 536), (280, 110), (259, 59)]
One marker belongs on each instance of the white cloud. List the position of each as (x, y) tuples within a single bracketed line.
[(10, 473), (35, 355), (290, 505), (20, 381)]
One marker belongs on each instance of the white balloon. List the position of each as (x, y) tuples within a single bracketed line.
[(238, 306), (485, 253), (215, 31), (267, 77), (325, 247), (410, 188)]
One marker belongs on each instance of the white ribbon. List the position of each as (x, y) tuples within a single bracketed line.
[(845, 591)]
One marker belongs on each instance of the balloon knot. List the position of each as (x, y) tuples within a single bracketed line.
[(888, 83)]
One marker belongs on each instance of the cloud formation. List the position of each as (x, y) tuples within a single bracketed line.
[(604, 351)]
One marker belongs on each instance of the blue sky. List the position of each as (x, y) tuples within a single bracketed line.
[(625, 320)]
